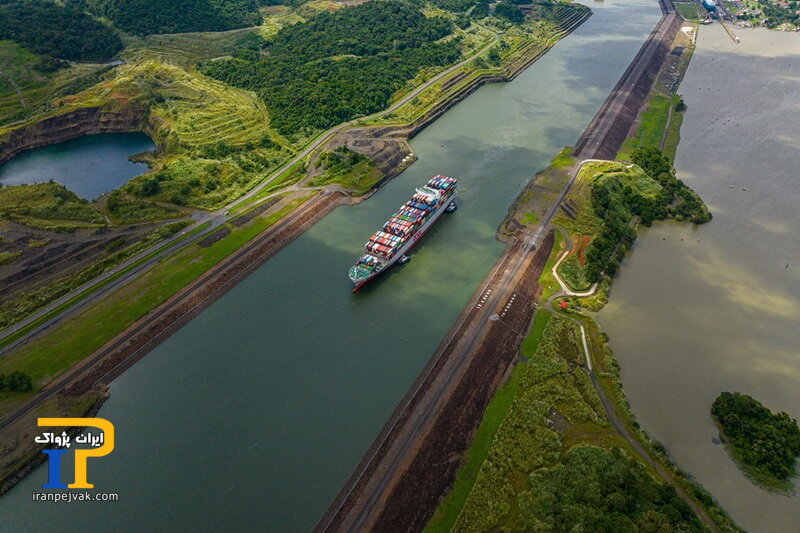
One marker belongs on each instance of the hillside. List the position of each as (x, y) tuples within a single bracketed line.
[(339, 65), (58, 31), (145, 17)]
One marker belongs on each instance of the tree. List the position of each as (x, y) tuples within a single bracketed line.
[(509, 11), (151, 187), (16, 382), (64, 32)]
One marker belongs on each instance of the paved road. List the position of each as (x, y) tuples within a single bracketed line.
[(172, 245), (214, 219)]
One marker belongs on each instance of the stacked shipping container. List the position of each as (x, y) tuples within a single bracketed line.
[(385, 244)]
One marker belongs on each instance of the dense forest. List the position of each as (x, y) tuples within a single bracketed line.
[(338, 65), (616, 202), (145, 17), (677, 199), (594, 489), (51, 29), (766, 444)]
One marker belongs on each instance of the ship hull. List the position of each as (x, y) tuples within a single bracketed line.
[(407, 246)]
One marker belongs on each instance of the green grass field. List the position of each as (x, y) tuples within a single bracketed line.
[(448, 511), (78, 336), (690, 10), (652, 124)]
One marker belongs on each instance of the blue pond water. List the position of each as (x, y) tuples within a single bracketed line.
[(88, 166)]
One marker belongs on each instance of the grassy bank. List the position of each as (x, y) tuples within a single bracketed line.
[(78, 336), (554, 438), (658, 124), (448, 511)]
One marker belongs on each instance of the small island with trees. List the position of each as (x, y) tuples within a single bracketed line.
[(764, 444)]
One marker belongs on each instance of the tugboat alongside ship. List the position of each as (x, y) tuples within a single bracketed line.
[(404, 229)]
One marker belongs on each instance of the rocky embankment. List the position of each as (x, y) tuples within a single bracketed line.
[(71, 125)]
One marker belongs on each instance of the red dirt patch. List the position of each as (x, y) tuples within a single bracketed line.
[(579, 245)]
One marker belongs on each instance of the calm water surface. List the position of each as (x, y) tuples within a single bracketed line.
[(690, 319), (88, 166), (255, 413)]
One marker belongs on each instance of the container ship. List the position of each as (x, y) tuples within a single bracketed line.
[(404, 229)]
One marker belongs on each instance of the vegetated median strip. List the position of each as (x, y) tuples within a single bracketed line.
[(15, 335)]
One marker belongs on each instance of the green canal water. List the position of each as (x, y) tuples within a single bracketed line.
[(254, 414), (88, 166), (697, 311)]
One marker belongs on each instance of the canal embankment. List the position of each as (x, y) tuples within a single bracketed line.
[(609, 128), (394, 476), (138, 338), (313, 387)]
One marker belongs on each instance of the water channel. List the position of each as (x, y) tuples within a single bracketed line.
[(255, 413)]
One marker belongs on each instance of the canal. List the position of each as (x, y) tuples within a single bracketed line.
[(88, 166), (254, 414), (698, 311)]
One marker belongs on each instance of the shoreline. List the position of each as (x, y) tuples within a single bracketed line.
[(401, 482), (119, 353)]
